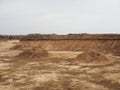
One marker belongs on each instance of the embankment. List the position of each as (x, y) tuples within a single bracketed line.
[(103, 43)]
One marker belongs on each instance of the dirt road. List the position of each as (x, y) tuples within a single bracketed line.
[(55, 73)]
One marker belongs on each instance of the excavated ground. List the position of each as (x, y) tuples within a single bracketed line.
[(55, 72)]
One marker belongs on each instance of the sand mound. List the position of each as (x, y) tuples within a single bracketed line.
[(17, 47), (34, 53), (91, 56)]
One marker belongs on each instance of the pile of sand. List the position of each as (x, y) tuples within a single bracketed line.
[(91, 56), (34, 53), (18, 46)]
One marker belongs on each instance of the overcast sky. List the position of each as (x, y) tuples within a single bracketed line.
[(59, 16)]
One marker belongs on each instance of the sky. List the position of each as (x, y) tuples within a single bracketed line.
[(59, 16)]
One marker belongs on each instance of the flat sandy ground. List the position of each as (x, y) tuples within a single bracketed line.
[(56, 72)]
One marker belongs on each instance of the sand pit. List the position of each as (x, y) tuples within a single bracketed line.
[(91, 56), (53, 73)]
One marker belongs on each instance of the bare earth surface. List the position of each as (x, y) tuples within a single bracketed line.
[(56, 72)]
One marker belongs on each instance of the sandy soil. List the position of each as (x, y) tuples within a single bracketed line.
[(55, 72)]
